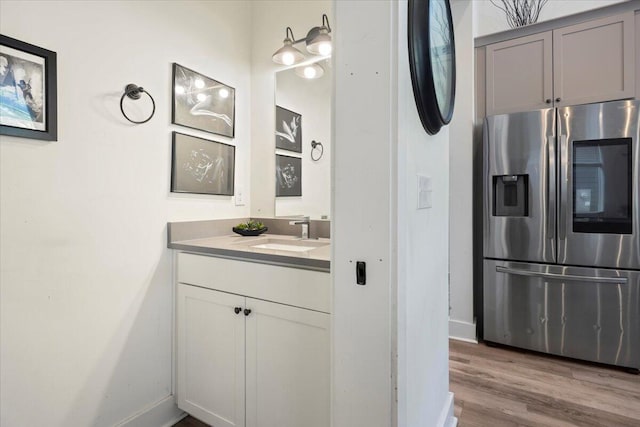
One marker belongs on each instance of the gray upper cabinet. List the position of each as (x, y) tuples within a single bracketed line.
[(589, 62), (519, 74), (594, 61)]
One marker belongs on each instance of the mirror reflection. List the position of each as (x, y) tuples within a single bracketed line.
[(303, 140)]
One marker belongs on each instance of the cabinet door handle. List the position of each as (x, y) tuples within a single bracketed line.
[(247, 311), (557, 99), (548, 100), (237, 309)]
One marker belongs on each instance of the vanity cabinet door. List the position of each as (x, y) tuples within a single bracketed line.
[(519, 74), (211, 355), (594, 61), (287, 366)]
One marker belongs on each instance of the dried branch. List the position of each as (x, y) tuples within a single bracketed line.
[(520, 12)]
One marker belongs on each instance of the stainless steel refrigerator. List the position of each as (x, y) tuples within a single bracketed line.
[(561, 229)]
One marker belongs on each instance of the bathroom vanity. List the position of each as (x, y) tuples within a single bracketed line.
[(253, 330)]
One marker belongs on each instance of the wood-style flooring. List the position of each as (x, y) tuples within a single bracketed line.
[(190, 422), (504, 387)]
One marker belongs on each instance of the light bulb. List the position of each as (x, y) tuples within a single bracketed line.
[(180, 90), (324, 48), (223, 93), (287, 58), (199, 83), (309, 72), (201, 97)]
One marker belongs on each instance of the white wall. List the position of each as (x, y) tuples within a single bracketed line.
[(473, 19), (85, 275), (392, 332), (311, 99), (270, 19), (423, 260), (363, 219), (462, 323)]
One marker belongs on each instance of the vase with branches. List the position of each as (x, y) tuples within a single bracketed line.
[(520, 12)]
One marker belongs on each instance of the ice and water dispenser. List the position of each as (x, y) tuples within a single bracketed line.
[(511, 195)]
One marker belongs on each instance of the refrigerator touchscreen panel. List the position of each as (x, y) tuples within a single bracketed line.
[(602, 198)]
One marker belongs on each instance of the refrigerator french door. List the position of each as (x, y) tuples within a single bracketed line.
[(599, 157), (561, 231)]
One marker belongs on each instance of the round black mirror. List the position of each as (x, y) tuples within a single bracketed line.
[(432, 61)]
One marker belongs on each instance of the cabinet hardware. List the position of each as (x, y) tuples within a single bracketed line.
[(237, 309), (557, 99), (548, 101), (247, 311)]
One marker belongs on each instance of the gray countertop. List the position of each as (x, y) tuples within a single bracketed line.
[(243, 248)]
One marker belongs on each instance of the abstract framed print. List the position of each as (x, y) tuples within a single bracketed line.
[(288, 130), (288, 176), (202, 103), (28, 90), (202, 166)]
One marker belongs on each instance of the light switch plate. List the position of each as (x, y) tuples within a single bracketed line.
[(239, 196), (425, 192)]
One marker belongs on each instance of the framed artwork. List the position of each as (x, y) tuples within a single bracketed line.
[(201, 166), (28, 104), (202, 103), (288, 176), (288, 130)]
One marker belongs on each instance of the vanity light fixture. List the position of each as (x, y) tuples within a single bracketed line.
[(287, 54), (310, 71), (318, 42), (318, 39)]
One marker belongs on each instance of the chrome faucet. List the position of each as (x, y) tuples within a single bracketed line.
[(306, 224)]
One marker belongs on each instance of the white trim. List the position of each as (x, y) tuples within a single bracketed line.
[(164, 413), (462, 331), (447, 419)]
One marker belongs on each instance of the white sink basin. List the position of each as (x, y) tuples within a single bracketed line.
[(284, 247), (289, 245)]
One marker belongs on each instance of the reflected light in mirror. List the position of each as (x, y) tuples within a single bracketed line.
[(180, 90), (201, 97), (223, 93), (199, 83), (310, 71)]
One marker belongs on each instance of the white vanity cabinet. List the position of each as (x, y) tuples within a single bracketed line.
[(592, 61), (211, 356), (248, 358)]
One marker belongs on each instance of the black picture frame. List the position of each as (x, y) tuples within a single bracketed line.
[(288, 130), (435, 98), (202, 166), (34, 110), (198, 102), (288, 176)]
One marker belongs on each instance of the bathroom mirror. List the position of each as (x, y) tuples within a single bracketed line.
[(303, 129)]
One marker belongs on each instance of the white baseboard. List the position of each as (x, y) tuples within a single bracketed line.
[(462, 331), (447, 419), (164, 413)]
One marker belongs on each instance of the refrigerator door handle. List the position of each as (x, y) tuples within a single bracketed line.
[(571, 277), (551, 192), (563, 190)]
